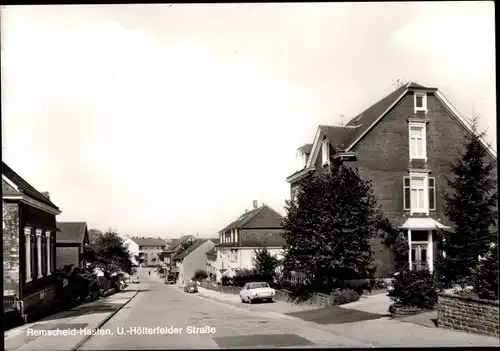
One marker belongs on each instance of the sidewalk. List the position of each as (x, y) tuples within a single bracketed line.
[(78, 321)]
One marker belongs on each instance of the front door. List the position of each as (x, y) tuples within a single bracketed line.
[(419, 256)]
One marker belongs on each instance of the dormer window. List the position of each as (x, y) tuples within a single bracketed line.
[(325, 151), (420, 102)]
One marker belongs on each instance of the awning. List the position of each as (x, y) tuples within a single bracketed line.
[(425, 223)]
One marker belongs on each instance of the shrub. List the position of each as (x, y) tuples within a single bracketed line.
[(225, 281), (243, 276), (415, 288), (199, 275), (343, 296), (487, 275)]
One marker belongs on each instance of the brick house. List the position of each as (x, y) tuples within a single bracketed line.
[(405, 144), (191, 259), (29, 237), (71, 241), (258, 228)]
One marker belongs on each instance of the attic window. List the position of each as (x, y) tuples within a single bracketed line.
[(325, 152), (420, 102)]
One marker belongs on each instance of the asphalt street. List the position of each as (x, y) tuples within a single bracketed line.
[(165, 317)]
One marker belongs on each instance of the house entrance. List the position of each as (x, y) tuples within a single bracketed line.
[(419, 256)]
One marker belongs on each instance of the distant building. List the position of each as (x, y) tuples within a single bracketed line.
[(176, 246), (212, 260), (29, 238), (192, 259), (70, 243), (145, 251), (258, 228)]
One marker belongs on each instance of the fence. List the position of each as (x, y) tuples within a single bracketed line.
[(9, 303)]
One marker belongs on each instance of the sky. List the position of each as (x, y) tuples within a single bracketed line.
[(162, 120)]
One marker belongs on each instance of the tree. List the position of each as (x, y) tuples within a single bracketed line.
[(94, 235), (328, 228), (199, 275), (111, 254), (487, 274), (471, 207), (265, 265)]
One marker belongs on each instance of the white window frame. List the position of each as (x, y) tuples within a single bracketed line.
[(423, 127), (234, 255), (417, 175), (425, 188), (49, 252), (423, 108), (39, 252), (325, 152), (27, 252)]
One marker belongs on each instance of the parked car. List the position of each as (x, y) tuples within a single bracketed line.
[(191, 288), (170, 279), (135, 279), (258, 291)]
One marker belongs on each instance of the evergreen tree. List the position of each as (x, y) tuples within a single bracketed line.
[(328, 229), (487, 275), (265, 265), (471, 207)]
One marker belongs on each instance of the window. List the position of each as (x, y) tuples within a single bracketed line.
[(414, 193), (49, 266), (417, 194), (234, 255), (39, 252), (325, 150), (27, 244), (417, 141), (420, 102), (432, 194)]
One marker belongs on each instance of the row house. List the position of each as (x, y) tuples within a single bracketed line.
[(29, 238), (192, 259), (175, 247), (71, 240), (258, 228), (405, 144)]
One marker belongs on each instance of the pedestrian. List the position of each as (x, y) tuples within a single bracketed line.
[(149, 272)]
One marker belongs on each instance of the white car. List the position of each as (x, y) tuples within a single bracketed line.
[(259, 291)]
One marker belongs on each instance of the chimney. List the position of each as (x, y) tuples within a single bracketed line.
[(246, 210), (255, 204), (46, 194)]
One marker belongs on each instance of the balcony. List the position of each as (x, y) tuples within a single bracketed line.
[(9, 303)]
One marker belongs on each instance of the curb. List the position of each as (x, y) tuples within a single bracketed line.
[(99, 326)]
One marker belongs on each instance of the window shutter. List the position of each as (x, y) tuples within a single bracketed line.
[(432, 193), (406, 193)]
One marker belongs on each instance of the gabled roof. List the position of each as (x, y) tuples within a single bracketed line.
[(149, 241), (344, 138), (261, 217), (306, 148), (339, 136), (212, 253), (176, 243), (215, 241), (196, 244), (24, 187), (71, 232)]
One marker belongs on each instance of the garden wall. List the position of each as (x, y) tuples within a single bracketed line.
[(320, 300), (468, 314)]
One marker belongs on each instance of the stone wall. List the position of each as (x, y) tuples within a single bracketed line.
[(468, 314), (11, 258)]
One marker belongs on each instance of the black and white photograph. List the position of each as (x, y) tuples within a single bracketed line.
[(249, 175)]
